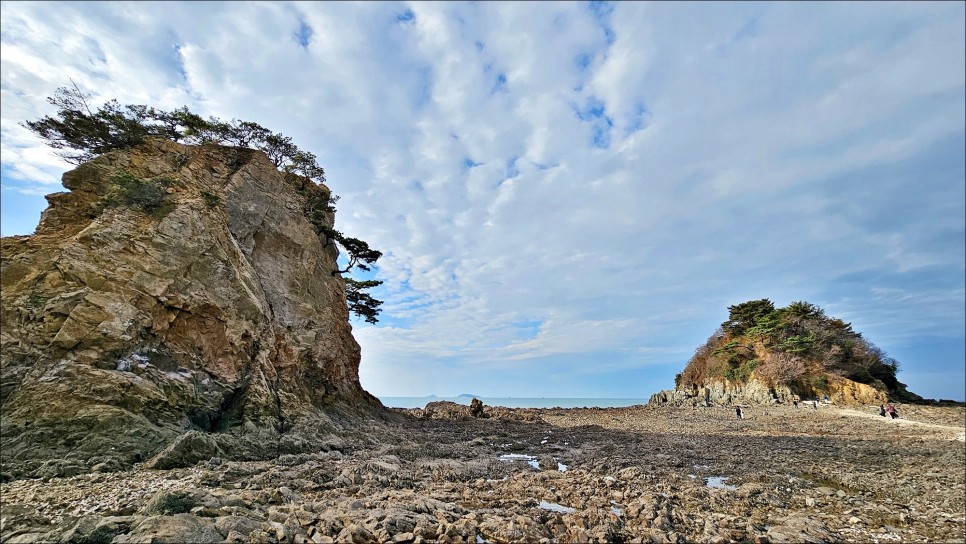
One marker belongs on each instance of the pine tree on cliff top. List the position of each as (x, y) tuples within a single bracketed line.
[(81, 133)]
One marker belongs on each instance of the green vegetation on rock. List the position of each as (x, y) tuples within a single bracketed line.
[(145, 194), (798, 346), (211, 199)]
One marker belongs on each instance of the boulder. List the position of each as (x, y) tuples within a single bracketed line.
[(444, 409), (476, 408), (95, 529), (185, 451)]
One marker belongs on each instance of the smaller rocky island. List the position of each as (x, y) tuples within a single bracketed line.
[(767, 355)]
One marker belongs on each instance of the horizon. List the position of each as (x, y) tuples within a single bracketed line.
[(569, 195), (498, 397)]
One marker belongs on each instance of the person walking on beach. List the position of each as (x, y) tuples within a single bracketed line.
[(882, 410), (738, 412), (795, 402), (892, 411)]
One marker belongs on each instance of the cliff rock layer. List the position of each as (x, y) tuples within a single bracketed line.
[(754, 391), (177, 303)]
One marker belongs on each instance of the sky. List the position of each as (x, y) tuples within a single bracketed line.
[(569, 195)]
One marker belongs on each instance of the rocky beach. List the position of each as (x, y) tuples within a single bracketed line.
[(637, 474)]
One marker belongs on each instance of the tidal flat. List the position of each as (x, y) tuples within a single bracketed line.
[(636, 474)]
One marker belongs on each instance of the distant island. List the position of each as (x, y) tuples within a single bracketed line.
[(467, 395)]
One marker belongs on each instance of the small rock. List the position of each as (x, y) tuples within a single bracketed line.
[(236, 524), (168, 502), (205, 512), (234, 536), (548, 463)]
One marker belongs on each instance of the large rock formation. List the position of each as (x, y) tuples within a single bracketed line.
[(211, 326), (764, 354)]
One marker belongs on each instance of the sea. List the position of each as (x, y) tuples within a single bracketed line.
[(515, 402)]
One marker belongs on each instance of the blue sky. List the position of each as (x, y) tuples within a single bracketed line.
[(569, 195)]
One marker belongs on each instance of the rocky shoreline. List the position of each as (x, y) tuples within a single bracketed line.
[(638, 474)]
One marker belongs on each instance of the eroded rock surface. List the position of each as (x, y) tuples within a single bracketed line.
[(641, 474), (218, 313), (839, 390)]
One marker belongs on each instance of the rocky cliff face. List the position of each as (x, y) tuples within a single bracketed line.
[(210, 326), (754, 391)]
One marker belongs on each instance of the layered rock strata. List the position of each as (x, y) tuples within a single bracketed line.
[(212, 325), (724, 392)]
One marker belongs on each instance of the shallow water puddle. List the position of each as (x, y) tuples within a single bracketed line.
[(531, 460), (515, 457), (554, 507), (718, 482)]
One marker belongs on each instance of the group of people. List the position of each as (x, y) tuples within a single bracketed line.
[(890, 409)]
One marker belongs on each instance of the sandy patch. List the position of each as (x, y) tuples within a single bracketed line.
[(959, 433)]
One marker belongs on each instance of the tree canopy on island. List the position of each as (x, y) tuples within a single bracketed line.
[(80, 133), (797, 346)]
